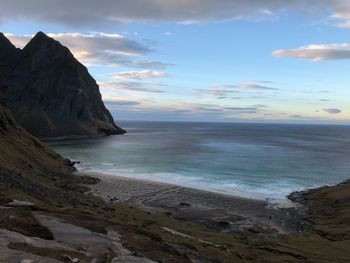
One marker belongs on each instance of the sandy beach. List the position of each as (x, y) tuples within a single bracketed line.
[(221, 212)]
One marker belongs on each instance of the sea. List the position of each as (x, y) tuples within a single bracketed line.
[(263, 161)]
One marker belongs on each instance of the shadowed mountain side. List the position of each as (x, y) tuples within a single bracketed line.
[(50, 93)]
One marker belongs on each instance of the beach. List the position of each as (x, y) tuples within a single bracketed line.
[(224, 213)]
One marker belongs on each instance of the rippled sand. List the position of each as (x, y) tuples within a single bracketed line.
[(222, 212)]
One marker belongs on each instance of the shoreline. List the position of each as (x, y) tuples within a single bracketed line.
[(222, 212), (272, 201)]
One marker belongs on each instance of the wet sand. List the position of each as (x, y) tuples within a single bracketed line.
[(221, 212)]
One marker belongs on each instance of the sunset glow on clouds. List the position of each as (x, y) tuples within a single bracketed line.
[(284, 61)]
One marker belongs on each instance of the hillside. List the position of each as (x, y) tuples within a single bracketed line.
[(29, 169)]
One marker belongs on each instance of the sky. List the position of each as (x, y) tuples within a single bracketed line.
[(203, 60)]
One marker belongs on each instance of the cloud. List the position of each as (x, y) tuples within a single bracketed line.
[(223, 90), (227, 110), (92, 13), (133, 86), (299, 116), (217, 92), (121, 103), (210, 109), (317, 52), (99, 49), (148, 64), (243, 110), (139, 74), (260, 106), (255, 87), (342, 16), (332, 111)]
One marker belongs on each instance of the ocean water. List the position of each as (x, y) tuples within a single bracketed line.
[(265, 161)]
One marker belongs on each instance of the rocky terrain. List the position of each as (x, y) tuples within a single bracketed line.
[(50, 93)]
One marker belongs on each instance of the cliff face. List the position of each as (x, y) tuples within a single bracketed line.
[(50, 93)]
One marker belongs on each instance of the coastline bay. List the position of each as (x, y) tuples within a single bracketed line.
[(262, 161)]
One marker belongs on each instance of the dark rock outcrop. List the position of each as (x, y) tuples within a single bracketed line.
[(50, 93)]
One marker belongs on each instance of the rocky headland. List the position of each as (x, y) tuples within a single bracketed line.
[(50, 93)]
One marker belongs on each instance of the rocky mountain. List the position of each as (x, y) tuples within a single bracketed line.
[(51, 94)]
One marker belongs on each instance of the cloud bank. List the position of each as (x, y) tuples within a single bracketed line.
[(79, 13)]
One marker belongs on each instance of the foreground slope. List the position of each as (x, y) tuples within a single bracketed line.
[(50, 93), (28, 168)]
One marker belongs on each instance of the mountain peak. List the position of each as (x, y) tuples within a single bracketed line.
[(2, 37), (41, 36), (5, 42), (8, 52), (41, 39)]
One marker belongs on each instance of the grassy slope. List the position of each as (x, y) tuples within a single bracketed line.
[(329, 239), (29, 169)]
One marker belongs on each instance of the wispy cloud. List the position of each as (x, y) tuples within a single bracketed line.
[(120, 103), (317, 52), (332, 110), (255, 87), (133, 86), (148, 64), (224, 90), (139, 74), (217, 92)]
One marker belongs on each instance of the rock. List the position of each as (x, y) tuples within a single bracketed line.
[(131, 259), (50, 93), (70, 259), (26, 261), (184, 204), (16, 203)]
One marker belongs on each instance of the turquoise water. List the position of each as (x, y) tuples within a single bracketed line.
[(253, 160)]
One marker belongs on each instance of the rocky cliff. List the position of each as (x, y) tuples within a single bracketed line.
[(50, 93)]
